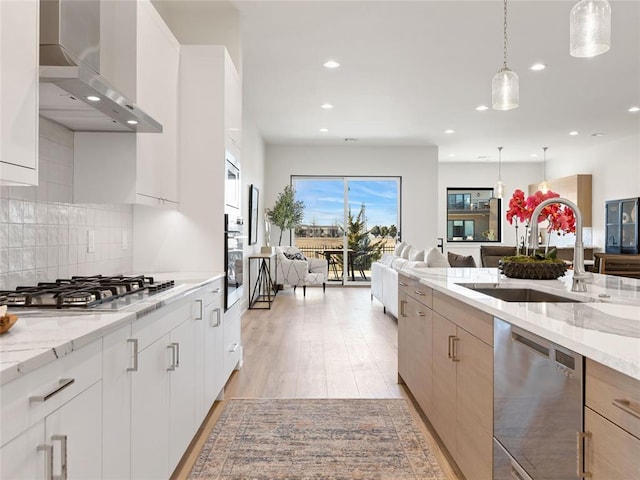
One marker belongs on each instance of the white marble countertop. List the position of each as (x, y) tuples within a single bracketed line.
[(42, 336), (606, 328)]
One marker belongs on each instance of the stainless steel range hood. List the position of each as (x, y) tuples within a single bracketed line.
[(72, 92)]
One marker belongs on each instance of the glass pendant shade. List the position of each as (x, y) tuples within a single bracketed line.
[(505, 90), (499, 189), (590, 28), (543, 187)]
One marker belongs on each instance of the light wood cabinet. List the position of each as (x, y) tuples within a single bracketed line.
[(415, 324), (612, 423), (137, 168), (445, 356), (19, 46)]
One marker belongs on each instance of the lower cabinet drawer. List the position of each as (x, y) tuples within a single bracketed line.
[(610, 452), (232, 341), (613, 395), (28, 399)]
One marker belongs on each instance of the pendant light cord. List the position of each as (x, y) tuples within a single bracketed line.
[(505, 35), (499, 164), (544, 164)]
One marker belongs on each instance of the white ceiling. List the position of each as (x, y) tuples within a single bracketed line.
[(413, 69)]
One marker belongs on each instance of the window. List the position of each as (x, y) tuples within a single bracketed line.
[(473, 215)]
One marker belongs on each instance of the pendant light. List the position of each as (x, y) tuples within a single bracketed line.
[(544, 186), (590, 28), (499, 184), (504, 87)]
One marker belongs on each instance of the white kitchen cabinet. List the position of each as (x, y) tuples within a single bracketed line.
[(68, 439), (209, 347), (55, 407), (19, 26), (150, 413), (232, 341), (118, 350), (232, 108), (137, 168)]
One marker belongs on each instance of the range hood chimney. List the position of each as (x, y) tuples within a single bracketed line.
[(72, 92)]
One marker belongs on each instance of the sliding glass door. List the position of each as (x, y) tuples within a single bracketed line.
[(349, 221)]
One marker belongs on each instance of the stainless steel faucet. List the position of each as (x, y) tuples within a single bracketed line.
[(580, 275)]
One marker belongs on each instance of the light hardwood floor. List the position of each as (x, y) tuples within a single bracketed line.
[(338, 344)]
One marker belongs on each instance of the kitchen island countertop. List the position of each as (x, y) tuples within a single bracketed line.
[(604, 328), (42, 336)]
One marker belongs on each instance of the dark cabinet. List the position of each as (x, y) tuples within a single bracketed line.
[(621, 227)]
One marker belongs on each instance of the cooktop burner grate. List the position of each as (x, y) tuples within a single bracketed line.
[(83, 292)]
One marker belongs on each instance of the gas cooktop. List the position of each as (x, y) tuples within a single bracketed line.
[(94, 292)]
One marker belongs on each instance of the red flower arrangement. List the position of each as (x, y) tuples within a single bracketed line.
[(561, 218)]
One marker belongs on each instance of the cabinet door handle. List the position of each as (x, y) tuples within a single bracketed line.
[(48, 460), (234, 347), (402, 304), (217, 290), (451, 352), (177, 353), (218, 317), (62, 384), (626, 406), (199, 317), (402, 284), (419, 292), (581, 447), (134, 342), (63, 457), (421, 314), (172, 366)]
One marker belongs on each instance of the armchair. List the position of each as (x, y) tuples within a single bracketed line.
[(297, 272)]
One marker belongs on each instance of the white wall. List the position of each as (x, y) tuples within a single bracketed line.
[(460, 174), (615, 170), (418, 167)]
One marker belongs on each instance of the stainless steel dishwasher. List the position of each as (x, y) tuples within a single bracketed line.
[(537, 407)]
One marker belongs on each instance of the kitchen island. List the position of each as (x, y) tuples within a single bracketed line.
[(454, 333), (604, 326)]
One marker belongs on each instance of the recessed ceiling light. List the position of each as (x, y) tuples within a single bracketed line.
[(573, 133), (331, 64), (534, 155), (350, 139), (537, 66), (482, 108), (324, 130), (483, 157), (597, 134), (93, 98), (452, 154), (634, 109), (449, 131), (132, 122), (326, 106)]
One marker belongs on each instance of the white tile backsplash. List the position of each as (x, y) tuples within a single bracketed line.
[(43, 236)]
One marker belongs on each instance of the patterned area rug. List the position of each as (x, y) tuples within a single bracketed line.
[(316, 439)]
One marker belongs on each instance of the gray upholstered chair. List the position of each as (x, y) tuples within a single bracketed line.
[(300, 272), (491, 254)]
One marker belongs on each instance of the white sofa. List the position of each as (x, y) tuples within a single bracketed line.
[(384, 272)]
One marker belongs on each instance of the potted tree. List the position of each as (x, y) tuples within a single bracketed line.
[(287, 212)]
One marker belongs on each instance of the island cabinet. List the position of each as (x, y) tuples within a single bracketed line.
[(445, 357), (612, 423), (139, 168), (19, 41), (415, 330)]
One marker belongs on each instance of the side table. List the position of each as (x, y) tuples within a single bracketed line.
[(263, 292)]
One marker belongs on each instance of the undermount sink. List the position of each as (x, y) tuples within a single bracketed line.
[(515, 294)]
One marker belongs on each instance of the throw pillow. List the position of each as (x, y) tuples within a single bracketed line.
[(416, 255), (295, 256), (387, 258), (398, 250), (435, 259), (456, 260), (405, 251)]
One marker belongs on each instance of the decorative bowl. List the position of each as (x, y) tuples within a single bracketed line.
[(532, 270), (7, 322)]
